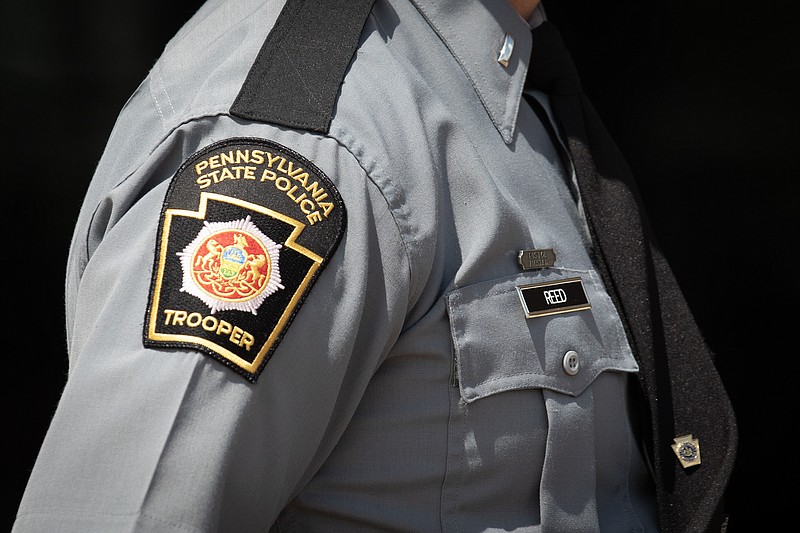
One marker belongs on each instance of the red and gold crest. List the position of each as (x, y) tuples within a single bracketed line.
[(231, 265)]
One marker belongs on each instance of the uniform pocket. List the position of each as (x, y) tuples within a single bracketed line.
[(498, 349)]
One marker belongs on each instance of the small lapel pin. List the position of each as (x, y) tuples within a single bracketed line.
[(687, 449), (506, 50)]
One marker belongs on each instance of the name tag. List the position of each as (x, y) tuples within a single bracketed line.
[(553, 297)]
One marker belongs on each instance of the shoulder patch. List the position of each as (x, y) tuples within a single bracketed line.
[(246, 228)]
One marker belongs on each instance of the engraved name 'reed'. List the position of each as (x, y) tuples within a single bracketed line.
[(555, 296)]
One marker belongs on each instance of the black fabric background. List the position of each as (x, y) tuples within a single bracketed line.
[(699, 95)]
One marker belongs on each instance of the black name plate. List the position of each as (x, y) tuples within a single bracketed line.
[(553, 297)]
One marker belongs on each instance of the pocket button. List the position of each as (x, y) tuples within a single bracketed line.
[(571, 362)]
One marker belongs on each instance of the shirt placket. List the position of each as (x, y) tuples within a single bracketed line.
[(569, 455)]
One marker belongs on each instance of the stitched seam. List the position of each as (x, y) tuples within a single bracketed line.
[(164, 90), (600, 360), (406, 246), (170, 434), (458, 59), (193, 118), (81, 514), (158, 106)]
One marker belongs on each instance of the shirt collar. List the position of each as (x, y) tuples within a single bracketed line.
[(474, 32)]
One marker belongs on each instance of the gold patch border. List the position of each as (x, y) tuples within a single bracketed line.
[(216, 348)]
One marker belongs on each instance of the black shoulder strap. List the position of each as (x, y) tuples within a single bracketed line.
[(296, 76)]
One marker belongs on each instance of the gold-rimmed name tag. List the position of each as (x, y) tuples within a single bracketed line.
[(536, 259), (553, 297)]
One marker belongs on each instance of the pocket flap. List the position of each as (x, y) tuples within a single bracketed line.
[(498, 349)]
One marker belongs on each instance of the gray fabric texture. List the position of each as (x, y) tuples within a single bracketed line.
[(410, 393)]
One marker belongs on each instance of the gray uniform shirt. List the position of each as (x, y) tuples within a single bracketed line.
[(410, 393)]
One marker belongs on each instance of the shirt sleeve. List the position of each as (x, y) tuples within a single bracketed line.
[(170, 439)]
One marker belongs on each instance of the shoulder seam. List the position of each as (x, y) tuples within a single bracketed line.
[(414, 282)]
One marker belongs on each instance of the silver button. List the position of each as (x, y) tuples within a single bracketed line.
[(571, 363), (506, 50)]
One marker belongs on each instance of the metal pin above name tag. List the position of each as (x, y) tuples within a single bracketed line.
[(553, 297), (536, 259)]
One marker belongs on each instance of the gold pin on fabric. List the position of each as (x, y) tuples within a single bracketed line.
[(687, 449)]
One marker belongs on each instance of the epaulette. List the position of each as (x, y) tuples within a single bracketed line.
[(296, 76)]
